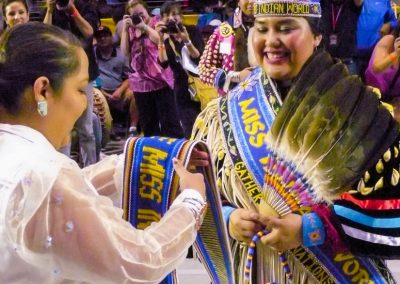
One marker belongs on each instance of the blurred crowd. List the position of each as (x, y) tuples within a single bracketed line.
[(145, 64)]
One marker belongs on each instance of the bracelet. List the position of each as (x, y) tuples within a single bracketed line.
[(234, 76), (145, 29), (161, 46), (74, 13), (187, 44), (194, 202), (393, 57), (197, 207)]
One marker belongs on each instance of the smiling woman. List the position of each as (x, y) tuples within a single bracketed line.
[(315, 116), (282, 45), (15, 12)]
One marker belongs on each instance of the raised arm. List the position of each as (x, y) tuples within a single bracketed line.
[(125, 45), (386, 53), (48, 18)]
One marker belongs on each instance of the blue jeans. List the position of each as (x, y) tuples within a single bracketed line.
[(97, 134), (351, 65)]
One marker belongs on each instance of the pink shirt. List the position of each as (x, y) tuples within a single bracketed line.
[(147, 75)]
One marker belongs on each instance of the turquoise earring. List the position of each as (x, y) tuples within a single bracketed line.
[(42, 108)]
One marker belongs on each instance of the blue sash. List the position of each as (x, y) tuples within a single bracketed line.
[(251, 108), (151, 185)]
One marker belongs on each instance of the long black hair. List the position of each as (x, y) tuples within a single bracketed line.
[(315, 25)]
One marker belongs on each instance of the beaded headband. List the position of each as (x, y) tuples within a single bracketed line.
[(299, 8)]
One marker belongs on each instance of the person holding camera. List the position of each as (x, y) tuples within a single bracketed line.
[(81, 19), (151, 84), (176, 39), (383, 69)]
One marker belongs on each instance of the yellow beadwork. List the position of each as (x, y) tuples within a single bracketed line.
[(367, 176), (387, 156), (366, 190), (379, 166), (379, 184), (395, 177)]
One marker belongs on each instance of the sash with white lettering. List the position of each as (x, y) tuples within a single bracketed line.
[(151, 185), (251, 107)]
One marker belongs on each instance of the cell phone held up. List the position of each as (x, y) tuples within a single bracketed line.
[(136, 19)]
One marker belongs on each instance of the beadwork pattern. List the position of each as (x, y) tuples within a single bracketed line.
[(250, 255)]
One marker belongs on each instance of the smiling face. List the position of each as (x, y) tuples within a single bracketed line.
[(16, 13), (283, 44)]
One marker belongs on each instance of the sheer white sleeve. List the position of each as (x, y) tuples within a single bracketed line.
[(71, 231), (107, 177)]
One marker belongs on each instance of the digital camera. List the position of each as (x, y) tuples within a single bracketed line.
[(173, 28), (136, 19)]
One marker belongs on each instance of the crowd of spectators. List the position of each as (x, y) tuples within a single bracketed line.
[(137, 69)]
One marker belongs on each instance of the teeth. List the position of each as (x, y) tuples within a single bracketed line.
[(275, 55)]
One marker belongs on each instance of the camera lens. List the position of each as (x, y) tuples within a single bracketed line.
[(136, 19), (172, 27)]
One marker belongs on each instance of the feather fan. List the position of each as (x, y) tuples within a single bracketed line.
[(330, 130)]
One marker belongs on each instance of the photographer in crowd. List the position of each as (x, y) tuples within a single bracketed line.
[(383, 70), (81, 18), (114, 70), (151, 84), (176, 39)]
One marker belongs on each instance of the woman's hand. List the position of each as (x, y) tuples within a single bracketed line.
[(245, 73), (50, 5), (184, 35), (117, 95), (127, 22), (198, 159), (285, 232), (160, 28), (244, 224), (189, 180)]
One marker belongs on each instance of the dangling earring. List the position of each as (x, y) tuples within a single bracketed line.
[(42, 108)]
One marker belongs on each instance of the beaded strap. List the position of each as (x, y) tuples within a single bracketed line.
[(250, 255)]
